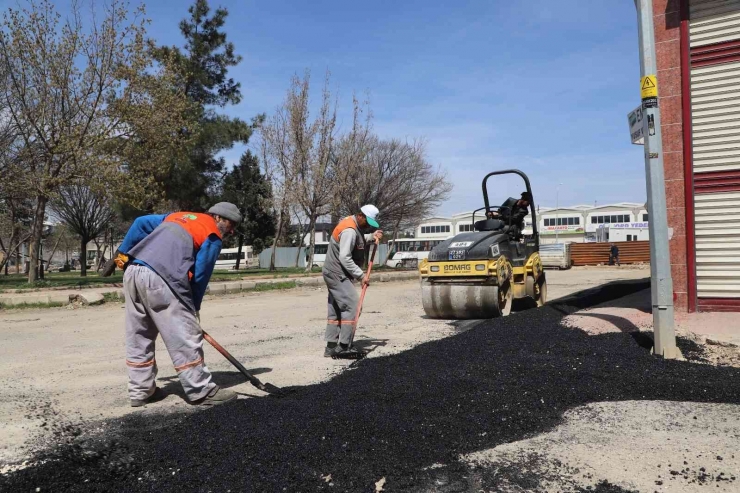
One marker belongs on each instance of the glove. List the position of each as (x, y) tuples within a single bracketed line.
[(120, 260)]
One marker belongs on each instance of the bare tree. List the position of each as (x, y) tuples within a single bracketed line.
[(276, 158), (350, 154), (15, 215), (301, 150), (85, 213), (86, 99), (300, 232), (396, 177)]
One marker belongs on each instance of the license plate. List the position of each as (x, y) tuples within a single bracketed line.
[(457, 255)]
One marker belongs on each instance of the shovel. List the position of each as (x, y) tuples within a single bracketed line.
[(264, 387)]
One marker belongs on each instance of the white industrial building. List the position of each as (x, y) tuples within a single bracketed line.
[(625, 221)]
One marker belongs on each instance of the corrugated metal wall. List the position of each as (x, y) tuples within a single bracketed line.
[(713, 21), (715, 107), (718, 245), (285, 257), (630, 252), (714, 32)]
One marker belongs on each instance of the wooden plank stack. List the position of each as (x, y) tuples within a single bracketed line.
[(630, 252)]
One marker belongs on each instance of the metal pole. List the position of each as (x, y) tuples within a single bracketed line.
[(660, 267)]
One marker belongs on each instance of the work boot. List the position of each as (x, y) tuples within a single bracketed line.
[(156, 396), (217, 396), (330, 349), (349, 353)]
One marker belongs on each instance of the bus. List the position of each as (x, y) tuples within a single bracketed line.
[(319, 253), (227, 258), (407, 252)]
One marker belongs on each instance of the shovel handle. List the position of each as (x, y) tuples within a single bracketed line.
[(252, 379)]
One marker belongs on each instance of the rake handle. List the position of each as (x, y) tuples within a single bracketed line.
[(364, 290)]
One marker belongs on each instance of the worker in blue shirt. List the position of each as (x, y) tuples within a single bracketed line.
[(168, 261)]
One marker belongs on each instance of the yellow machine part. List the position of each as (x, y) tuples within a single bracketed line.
[(468, 289), (499, 268)]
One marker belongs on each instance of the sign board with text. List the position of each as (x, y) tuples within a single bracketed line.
[(570, 228), (629, 225), (634, 118)]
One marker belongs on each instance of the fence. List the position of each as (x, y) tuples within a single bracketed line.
[(284, 257), (630, 252)]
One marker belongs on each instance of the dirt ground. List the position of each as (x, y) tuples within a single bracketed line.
[(67, 366)]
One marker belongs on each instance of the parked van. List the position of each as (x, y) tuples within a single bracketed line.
[(227, 258), (556, 255), (319, 253), (406, 253)]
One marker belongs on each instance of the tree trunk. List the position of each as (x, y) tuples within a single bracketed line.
[(41, 260), (9, 253), (312, 242), (54, 250), (395, 230), (239, 251), (37, 231), (18, 260), (275, 240), (96, 265), (83, 257), (300, 242)]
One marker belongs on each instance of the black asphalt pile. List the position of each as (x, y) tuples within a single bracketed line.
[(389, 417)]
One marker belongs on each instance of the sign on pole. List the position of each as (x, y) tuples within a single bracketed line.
[(635, 121)]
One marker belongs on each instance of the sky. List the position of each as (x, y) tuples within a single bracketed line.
[(539, 85)]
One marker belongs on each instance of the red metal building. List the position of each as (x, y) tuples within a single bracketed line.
[(698, 58)]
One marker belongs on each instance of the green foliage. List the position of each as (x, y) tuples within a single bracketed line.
[(203, 66), (29, 306), (246, 187), (274, 286)]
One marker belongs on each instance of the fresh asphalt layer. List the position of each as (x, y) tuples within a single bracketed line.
[(401, 417)]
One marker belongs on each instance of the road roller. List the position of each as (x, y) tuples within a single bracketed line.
[(479, 274)]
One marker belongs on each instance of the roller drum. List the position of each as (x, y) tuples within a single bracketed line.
[(464, 301)]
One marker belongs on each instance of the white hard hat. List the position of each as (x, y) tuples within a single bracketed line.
[(371, 213)]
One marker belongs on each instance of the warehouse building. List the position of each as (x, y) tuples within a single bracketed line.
[(625, 221), (698, 58)]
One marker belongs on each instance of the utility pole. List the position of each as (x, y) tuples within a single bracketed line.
[(660, 267)]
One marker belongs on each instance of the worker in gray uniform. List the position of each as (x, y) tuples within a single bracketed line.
[(345, 255), (168, 261)]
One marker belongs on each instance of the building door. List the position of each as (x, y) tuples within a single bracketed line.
[(714, 35)]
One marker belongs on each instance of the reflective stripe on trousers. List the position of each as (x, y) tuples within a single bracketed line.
[(342, 309), (152, 308)]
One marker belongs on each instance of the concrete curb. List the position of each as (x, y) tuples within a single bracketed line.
[(95, 297)]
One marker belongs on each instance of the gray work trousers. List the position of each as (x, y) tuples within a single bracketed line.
[(343, 301), (152, 308)]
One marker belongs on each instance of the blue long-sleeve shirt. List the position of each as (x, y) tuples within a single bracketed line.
[(205, 257)]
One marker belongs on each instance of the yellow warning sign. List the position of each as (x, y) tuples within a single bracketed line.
[(649, 87)]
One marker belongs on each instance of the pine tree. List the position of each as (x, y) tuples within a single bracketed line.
[(203, 66), (246, 187)]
